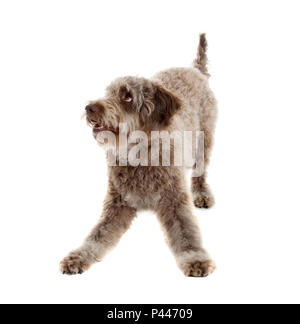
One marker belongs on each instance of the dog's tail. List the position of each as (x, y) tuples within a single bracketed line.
[(201, 61)]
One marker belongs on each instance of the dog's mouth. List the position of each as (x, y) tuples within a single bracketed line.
[(99, 127), (103, 128)]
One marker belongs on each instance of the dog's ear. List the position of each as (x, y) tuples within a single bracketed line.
[(159, 106)]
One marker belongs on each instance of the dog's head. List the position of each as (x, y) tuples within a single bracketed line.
[(139, 103)]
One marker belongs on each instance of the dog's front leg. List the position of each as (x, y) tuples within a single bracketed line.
[(115, 220), (175, 213)]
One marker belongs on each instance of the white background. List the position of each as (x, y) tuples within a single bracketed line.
[(55, 56)]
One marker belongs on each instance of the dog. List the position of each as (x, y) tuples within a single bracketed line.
[(177, 99)]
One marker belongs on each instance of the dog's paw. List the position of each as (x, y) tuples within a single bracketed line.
[(204, 200), (199, 268), (75, 263)]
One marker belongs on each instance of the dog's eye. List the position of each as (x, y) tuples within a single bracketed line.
[(126, 95)]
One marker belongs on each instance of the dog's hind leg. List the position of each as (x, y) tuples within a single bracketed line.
[(174, 211), (202, 195), (116, 219)]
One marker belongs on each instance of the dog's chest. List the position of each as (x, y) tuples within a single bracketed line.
[(140, 187)]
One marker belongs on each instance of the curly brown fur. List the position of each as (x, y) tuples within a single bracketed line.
[(177, 99)]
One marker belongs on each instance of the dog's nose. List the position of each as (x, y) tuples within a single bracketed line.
[(91, 109)]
